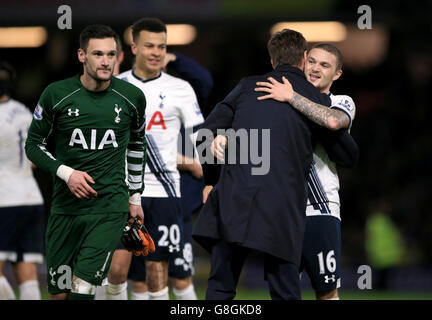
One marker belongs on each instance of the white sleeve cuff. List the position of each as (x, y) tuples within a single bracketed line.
[(135, 199), (64, 172)]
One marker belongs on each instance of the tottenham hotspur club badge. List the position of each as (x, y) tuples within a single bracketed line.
[(117, 110)]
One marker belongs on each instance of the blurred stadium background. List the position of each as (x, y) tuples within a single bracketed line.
[(386, 219)]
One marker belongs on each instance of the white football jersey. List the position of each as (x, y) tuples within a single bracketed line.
[(17, 184), (170, 102), (323, 180)]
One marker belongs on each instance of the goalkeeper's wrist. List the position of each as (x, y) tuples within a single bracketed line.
[(64, 172), (135, 199)]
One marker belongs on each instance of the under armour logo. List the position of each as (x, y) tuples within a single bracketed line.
[(52, 274), (162, 97), (171, 248), (76, 112), (98, 274), (117, 110), (332, 278)]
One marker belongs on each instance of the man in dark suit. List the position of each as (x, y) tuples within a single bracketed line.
[(263, 212)]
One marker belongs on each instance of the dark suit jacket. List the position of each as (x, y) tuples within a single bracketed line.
[(263, 212)]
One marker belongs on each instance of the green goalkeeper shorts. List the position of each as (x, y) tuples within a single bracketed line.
[(82, 246)]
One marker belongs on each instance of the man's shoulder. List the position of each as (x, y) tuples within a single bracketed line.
[(67, 84), (277, 74), (125, 88), (251, 79), (59, 90), (174, 87), (16, 107), (172, 81), (125, 76), (16, 104)]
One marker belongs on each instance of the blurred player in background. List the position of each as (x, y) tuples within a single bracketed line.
[(191, 183), (120, 58), (191, 174), (321, 257), (21, 203), (97, 121), (171, 102)]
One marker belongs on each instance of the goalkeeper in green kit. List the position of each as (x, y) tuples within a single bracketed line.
[(97, 122)]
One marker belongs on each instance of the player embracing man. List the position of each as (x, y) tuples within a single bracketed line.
[(96, 121), (321, 255)]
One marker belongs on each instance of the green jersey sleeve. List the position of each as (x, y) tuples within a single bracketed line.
[(39, 131), (136, 150)]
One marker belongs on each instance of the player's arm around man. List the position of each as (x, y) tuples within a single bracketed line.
[(322, 234), (324, 116), (339, 145)]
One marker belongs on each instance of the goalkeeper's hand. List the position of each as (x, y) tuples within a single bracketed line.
[(137, 239), (135, 209)]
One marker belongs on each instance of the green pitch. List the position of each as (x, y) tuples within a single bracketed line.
[(254, 294)]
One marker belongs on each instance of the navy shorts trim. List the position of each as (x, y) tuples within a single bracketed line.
[(163, 218), (321, 256), (22, 234), (180, 261)]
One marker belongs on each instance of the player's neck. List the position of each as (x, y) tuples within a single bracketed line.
[(326, 90), (92, 84), (146, 74)]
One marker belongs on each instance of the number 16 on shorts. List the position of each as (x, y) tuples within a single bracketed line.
[(330, 262)]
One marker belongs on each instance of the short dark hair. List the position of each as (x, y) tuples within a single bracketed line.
[(331, 49), (8, 71), (7, 75), (287, 47), (97, 31), (147, 24)]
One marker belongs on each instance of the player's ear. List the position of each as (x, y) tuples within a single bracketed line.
[(337, 74), (134, 48), (81, 55), (120, 57)]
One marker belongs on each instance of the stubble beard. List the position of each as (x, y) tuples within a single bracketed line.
[(93, 74)]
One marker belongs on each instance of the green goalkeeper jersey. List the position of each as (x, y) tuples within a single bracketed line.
[(95, 132)]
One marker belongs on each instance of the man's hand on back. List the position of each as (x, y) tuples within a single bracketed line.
[(218, 147), (206, 193), (282, 92)]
